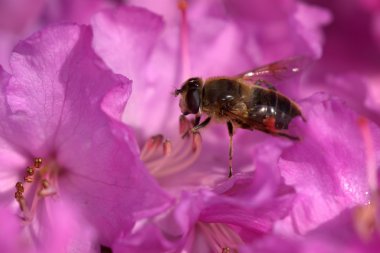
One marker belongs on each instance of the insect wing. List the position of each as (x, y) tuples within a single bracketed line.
[(277, 71)]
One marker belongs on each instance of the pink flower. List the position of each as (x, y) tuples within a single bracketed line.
[(209, 221), (158, 54), (63, 142), (62, 103), (328, 167), (142, 53), (58, 229), (137, 43), (8, 231), (20, 18), (354, 230), (327, 172)]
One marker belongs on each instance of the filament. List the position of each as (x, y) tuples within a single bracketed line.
[(163, 158), (221, 237), (365, 217), (184, 40)]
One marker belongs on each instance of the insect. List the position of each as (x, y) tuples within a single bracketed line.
[(247, 100)]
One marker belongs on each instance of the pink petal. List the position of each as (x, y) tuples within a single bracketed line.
[(11, 159), (337, 235), (62, 229), (130, 30), (280, 31), (9, 231), (328, 166), (59, 100), (125, 38), (248, 203), (169, 231)]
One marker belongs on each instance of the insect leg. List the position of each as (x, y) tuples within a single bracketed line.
[(264, 83), (201, 125), (291, 137), (197, 120), (185, 133), (282, 134), (230, 133)]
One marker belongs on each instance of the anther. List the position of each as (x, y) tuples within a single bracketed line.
[(37, 162), (197, 141), (45, 183), (18, 195), (226, 250), (184, 125), (167, 147), (19, 187), (28, 179), (30, 171), (151, 146), (154, 142)]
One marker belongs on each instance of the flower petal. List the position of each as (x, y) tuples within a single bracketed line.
[(328, 166), (169, 231), (59, 108), (124, 38), (11, 158)]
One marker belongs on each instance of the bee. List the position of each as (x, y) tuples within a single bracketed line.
[(247, 101)]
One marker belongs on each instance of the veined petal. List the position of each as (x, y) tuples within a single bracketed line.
[(59, 107), (13, 160)]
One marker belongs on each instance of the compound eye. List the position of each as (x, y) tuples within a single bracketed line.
[(193, 101), (194, 83)]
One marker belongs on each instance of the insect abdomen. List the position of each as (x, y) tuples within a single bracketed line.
[(269, 104)]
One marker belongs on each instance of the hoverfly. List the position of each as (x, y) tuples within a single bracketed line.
[(247, 100)]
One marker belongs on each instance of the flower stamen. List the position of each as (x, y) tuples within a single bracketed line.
[(167, 146), (226, 250), (37, 162), (151, 147), (171, 158), (36, 174), (221, 237), (370, 154), (184, 40)]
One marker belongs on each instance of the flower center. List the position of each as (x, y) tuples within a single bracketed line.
[(221, 237), (39, 182), (162, 158)]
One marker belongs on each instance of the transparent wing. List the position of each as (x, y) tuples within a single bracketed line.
[(276, 71)]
